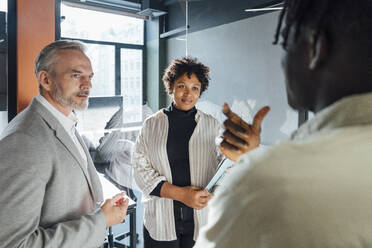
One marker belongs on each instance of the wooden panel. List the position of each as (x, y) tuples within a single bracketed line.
[(35, 29)]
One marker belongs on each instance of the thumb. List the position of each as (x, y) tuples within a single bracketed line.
[(258, 118)]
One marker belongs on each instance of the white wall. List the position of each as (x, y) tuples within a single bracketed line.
[(245, 72)]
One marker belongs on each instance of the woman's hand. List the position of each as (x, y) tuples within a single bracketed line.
[(195, 197), (239, 136)]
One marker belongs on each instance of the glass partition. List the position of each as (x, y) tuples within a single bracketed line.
[(115, 47), (244, 65)]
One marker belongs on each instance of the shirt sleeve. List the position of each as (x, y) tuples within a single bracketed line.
[(156, 191)]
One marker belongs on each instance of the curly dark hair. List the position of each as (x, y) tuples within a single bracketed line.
[(188, 65)]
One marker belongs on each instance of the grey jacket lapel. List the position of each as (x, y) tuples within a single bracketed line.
[(68, 143), (94, 180)]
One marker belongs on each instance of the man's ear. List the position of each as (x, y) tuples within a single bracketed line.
[(318, 50), (44, 80)]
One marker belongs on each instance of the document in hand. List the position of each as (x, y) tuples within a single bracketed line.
[(109, 189), (224, 164)]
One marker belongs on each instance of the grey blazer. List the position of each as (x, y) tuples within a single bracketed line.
[(48, 198)]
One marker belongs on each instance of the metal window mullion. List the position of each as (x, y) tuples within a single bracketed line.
[(118, 71), (57, 17), (12, 59), (144, 80)]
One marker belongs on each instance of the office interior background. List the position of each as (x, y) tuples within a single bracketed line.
[(130, 43)]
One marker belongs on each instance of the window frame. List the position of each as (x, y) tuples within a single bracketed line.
[(101, 101)]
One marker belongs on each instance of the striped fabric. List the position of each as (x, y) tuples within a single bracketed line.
[(151, 166)]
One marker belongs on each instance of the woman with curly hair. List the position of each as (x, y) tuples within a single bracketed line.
[(174, 158)]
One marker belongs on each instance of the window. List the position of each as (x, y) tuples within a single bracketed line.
[(115, 48), (4, 6), (133, 86), (94, 25), (103, 63)]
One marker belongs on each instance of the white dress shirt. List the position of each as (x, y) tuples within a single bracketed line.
[(68, 123), (312, 192)]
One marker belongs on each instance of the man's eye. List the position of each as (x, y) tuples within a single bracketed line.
[(75, 75), (195, 88), (181, 86)]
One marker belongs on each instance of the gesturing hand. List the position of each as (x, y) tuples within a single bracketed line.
[(115, 209), (196, 197), (240, 137)]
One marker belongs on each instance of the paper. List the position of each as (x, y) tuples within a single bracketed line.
[(109, 189), (224, 164)]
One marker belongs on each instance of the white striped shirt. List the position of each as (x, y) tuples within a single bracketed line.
[(151, 166)]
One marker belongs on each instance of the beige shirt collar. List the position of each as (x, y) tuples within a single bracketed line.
[(349, 111)]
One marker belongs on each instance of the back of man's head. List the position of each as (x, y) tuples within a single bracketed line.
[(350, 19), (339, 59)]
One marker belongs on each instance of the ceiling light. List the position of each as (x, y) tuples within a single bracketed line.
[(263, 9)]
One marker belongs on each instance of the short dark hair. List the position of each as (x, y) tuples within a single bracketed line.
[(188, 65), (352, 19)]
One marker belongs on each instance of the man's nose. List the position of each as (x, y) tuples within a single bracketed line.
[(86, 84)]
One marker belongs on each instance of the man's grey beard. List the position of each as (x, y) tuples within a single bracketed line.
[(58, 96)]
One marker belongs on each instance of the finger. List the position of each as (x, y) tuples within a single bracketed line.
[(202, 194), (226, 109), (234, 140), (237, 130), (227, 147), (234, 117), (230, 151), (229, 114), (117, 197), (229, 124), (205, 199), (124, 204), (258, 118), (122, 201)]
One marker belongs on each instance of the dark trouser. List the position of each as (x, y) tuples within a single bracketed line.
[(184, 220)]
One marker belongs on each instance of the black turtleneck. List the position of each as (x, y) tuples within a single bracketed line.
[(181, 126)]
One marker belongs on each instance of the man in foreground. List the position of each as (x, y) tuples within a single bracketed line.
[(51, 195), (316, 190)]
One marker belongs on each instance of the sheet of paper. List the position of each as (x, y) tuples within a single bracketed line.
[(224, 164), (109, 189)]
